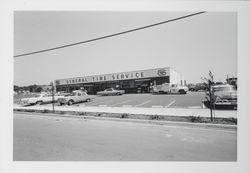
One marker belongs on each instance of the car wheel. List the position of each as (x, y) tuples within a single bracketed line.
[(39, 102), (88, 100), (70, 102), (182, 92)]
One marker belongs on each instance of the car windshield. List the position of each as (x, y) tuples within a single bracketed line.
[(224, 88), (72, 94), (36, 96)]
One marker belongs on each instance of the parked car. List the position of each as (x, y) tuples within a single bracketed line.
[(169, 89), (198, 87), (75, 97), (223, 97), (40, 99), (110, 91)]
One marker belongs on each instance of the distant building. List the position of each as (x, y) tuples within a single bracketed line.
[(32, 88), (132, 81)]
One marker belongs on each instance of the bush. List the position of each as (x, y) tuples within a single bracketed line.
[(194, 119), (234, 120), (81, 113), (124, 116), (45, 111), (154, 117), (98, 115)]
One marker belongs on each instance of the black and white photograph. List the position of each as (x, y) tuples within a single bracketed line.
[(140, 86), (149, 70)]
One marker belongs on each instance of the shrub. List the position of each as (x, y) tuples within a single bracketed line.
[(81, 113), (234, 120), (124, 116), (194, 119), (154, 117), (45, 111)]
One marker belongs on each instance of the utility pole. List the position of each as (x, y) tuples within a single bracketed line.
[(210, 98), (53, 98)]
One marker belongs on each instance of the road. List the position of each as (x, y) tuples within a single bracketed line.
[(50, 138)]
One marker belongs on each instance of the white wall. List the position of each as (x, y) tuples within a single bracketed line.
[(175, 77)]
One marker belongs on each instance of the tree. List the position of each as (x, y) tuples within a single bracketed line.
[(38, 89), (210, 82), (16, 87)]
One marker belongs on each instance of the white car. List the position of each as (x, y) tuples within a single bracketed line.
[(110, 91), (75, 97), (39, 99)]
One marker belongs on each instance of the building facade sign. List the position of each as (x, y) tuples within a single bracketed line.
[(159, 72)]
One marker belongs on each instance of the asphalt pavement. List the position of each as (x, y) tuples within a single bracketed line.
[(189, 100), (49, 138)]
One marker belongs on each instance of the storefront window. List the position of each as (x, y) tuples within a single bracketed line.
[(126, 84), (161, 80)]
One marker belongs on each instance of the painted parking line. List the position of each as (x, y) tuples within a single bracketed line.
[(119, 103), (143, 103), (170, 104), (157, 106), (127, 106), (94, 104), (195, 107), (102, 105)]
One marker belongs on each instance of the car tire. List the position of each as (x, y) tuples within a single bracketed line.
[(70, 102), (39, 102), (88, 100), (182, 91)]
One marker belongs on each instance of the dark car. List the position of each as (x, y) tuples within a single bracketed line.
[(198, 87)]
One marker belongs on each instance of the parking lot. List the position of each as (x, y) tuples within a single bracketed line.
[(189, 100), (192, 99)]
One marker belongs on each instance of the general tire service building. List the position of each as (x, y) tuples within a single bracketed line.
[(132, 82)]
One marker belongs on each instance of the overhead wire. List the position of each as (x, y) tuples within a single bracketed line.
[(108, 36)]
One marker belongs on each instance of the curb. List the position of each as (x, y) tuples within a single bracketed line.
[(97, 116)]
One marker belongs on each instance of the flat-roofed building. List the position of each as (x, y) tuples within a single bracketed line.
[(131, 81)]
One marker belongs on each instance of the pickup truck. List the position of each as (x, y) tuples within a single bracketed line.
[(75, 97), (167, 88), (223, 97), (198, 87), (110, 91)]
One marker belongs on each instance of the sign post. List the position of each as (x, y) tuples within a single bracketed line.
[(211, 93), (53, 98)]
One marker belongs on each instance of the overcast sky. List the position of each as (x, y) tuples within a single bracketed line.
[(192, 46)]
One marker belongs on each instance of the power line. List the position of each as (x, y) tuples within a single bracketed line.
[(107, 36)]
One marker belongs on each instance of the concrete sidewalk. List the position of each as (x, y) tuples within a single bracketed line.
[(136, 110)]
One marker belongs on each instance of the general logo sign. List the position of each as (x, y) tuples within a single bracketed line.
[(162, 72), (116, 76)]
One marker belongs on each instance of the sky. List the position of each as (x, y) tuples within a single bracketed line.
[(192, 46)]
